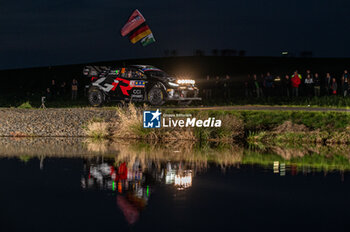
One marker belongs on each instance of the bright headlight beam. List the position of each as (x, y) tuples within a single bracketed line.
[(186, 81)]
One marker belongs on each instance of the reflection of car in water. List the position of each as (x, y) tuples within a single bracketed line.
[(138, 83), (132, 182)]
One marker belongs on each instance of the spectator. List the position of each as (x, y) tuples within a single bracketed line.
[(327, 84), (308, 85), (48, 94), (227, 87), (74, 89), (296, 74), (208, 88), (286, 86), (334, 86), (53, 88), (247, 87), (217, 90), (317, 85), (63, 89), (345, 83), (268, 83), (277, 84), (257, 86), (303, 86), (295, 82), (308, 72)]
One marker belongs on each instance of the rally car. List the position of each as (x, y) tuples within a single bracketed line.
[(137, 83)]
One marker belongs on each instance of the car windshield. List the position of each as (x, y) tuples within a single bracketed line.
[(156, 73)]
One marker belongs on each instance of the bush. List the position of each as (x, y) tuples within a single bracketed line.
[(25, 105)]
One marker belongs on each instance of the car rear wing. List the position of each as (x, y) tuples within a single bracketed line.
[(95, 72)]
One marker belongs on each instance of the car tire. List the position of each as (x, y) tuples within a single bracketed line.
[(95, 97), (156, 96)]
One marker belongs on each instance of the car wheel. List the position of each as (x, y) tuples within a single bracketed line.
[(156, 96), (95, 97)]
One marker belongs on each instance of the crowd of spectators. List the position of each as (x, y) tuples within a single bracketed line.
[(308, 84), (62, 91), (297, 84)]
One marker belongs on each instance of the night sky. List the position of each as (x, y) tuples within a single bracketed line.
[(53, 32)]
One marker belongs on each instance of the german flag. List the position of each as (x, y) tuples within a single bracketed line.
[(140, 32)]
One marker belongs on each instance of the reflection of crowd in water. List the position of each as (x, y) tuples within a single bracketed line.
[(133, 183), (281, 168)]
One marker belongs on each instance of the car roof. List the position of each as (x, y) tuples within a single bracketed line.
[(145, 68)]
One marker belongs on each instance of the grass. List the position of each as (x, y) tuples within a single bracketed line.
[(25, 105), (97, 130), (275, 127)]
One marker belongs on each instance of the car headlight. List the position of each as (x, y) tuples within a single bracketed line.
[(173, 84), (186, 81)]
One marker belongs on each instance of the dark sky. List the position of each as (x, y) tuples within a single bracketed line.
[(51, 32)]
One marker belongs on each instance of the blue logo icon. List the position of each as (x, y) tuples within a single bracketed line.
[(151, 119)]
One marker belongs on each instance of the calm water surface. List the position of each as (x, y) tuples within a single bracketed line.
[(148, 189)]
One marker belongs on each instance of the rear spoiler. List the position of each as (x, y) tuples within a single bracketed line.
[(95, 71)]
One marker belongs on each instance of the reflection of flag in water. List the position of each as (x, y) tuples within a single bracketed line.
[(137, 29)]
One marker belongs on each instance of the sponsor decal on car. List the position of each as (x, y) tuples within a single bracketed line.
[(137, 84)]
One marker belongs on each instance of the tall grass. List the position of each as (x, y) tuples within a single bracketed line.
[(97, 130)]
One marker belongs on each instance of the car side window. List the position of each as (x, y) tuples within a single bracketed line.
[(123, 73), (139, 75)]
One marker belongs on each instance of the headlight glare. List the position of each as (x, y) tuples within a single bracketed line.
[(186, 81)]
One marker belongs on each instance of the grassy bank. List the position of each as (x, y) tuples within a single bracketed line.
[(303, 158), (272, 127)]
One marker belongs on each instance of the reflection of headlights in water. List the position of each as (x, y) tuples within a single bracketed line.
[(276, 165), (170, 176), (283, 169), (183, 181)]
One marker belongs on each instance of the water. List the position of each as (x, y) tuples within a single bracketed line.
[(60, 185)]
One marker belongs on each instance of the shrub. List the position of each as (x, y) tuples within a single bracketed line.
[(25, 105)]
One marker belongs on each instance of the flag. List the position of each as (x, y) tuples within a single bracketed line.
[(142, 31), (148, 40), (135, 20)]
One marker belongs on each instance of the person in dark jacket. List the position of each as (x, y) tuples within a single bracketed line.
[(334, 86), (345, 83), (74, 88), (207, 88), (286, 86), (327, 84), (227, 87), (317, 85), (268, 83), (53, 89), (257, 86)]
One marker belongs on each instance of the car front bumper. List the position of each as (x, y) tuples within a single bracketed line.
[(183, 94)]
